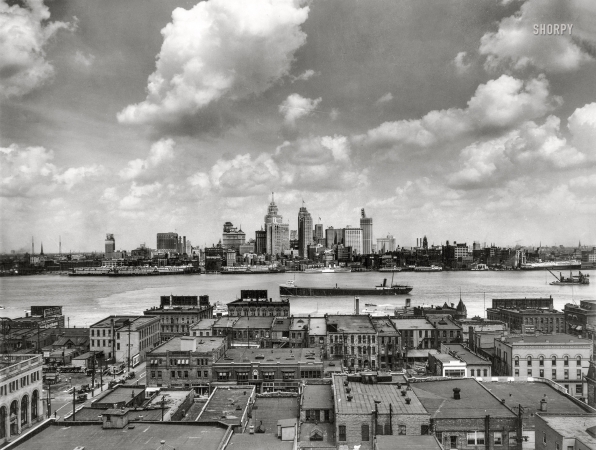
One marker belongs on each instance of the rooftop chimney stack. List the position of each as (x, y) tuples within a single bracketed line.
[(456, 392)]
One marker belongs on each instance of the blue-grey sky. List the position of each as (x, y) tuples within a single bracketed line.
[(449, 119)]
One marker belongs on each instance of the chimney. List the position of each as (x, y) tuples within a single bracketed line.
[(188, 344), (357, 300), (456, 392), (543, 405)]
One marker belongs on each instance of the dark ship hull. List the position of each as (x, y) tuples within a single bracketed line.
[(294, 291)]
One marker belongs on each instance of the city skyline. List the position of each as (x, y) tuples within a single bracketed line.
[(450, 120)]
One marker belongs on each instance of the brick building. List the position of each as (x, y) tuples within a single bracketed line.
[(178, 313), (185, 362), (353, 338), (463, 414), (529, 320), (565, 431), (388, 343), (365, 407), (562, 358), (581, 320), (416, 333), (254, 302)]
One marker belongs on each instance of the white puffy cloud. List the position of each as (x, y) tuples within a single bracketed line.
[(582, 125), (461, 64), (216, 49), (137, 194), (24, 33), (30, 172), (295, 106), (386, 98), (514, 45), (306, 75), (161, 152), (497, 104)]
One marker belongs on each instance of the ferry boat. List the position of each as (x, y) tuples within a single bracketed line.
[(432, 268), (554, 265), (314, 270), (573, 279), (335, 269), (290, 289), (479, 267), (390, 269)]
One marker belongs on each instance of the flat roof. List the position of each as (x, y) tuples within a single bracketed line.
[(143, 436), (444, 323), (253, 322), (530, 393), (317, 326), (409, 442), (364, 396), (203, 324), (280, 324), (351, 323), (269, 410), (383, 325), (573, 426), (204, 344), (87, 414), (317, 396), (120, 322), (121, 393), (421, 353), (299, 323), (558, 338), (412, 324), (225, 321), (525, 311), (270, 355), (466, 355), (475, 401), (227, 405), (247, 441)]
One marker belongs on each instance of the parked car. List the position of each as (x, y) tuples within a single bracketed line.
[(81, 398), (131, 374)]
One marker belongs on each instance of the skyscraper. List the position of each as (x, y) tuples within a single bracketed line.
[(353, 238), (366, 224), (278, 233), (232, 237), (385, 245), (167, 242), (318, 232), (110, 245), (304, 231)]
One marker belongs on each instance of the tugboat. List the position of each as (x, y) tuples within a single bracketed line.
[(573, 279)]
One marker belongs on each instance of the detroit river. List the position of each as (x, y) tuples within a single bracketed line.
[(86, 300)]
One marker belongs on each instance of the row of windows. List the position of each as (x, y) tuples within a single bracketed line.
[(362, 339), (179, 373), (484, 372), (530, 372), (578, 360), (477, 438), (20, 383)]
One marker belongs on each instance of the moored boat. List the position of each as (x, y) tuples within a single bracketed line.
[(290, 289)]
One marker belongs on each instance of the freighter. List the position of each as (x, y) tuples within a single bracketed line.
[(290, 289)]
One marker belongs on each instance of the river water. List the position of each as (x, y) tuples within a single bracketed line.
[(86, 300)]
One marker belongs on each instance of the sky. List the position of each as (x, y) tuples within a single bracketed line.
[(449, 119)]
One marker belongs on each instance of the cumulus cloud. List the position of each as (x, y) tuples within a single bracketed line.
[(520, 152), (582, 125), (161, 151), (24, 33), (310, 164), (30, 172), (461, 63), (217, 49), (295, 107), (385, 98), (306, 75), (497, 105), (514, 45)]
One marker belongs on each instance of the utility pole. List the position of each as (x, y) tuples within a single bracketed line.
[(49, 400), (163, 406), (128, 368), (93, 377), (74, 395)]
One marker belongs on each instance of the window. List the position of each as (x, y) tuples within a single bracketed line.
[(542, 373), (424, 429), (578, 374), (452, 441), (566, 374), (485, 372), (554, 374), (529, 360), (516, 362), (544, 437), (517, 372), (578, 361), (152, 374), (476, 438), (342, 432), (205, 374), (365, 434), (471, 372), (529, 372), (401, 429), (554, 360), (541, 361), (578, 389), (173, 374), (159, 374), (498, 438), (512, 438), (566, 361), (186, 374)]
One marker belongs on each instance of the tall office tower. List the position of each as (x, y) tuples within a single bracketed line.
[(278, 233), (293, 235), (232, 237), (167, 242), (110, 245), (318, 232), (366, 224), (353, 238), (260, 241), (385, 245), (304, 231), (334, 236)]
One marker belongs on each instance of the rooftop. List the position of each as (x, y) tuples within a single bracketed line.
[(526, 311), (364, 396), (270, 355), (573, 426), (227, 405), (246, 441), (121, 393), (253, 322), (317, 326), (412, 324), (225, 322), (465, 354), (122, 322), (271, 409), (474, 402), (141, 437), (317, 396), (87, 414), (530, 393), (409, 442), (350, 324), (327, 430), (204, 344), (444, 323), (558, 338), (299, 324), (383, 325), (281, 324), (204, 324)]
